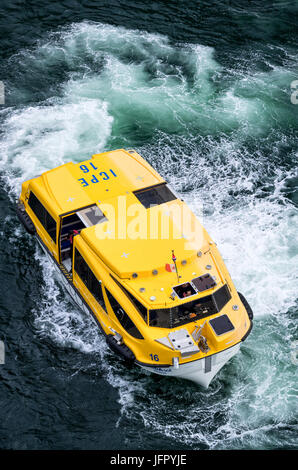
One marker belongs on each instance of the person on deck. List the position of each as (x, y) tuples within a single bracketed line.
[(70, 237)]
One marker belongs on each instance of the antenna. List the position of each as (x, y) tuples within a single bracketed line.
[(174, 259)]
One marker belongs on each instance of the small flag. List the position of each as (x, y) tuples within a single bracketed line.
[(170, 268)]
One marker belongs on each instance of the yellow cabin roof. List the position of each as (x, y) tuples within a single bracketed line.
[(128, 242), (106, 175)]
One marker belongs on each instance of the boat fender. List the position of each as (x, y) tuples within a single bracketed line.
[(25, 219), (120, 349), (246, 305), (248, 331)]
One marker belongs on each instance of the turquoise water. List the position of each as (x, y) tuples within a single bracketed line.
[(204, 95)]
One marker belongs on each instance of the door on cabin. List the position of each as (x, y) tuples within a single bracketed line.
[(71, 225)]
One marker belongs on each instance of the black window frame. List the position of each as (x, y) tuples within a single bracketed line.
[(214, 303), (87, 276), (141, 309), (221, 297), (47, 221), (123, 318)]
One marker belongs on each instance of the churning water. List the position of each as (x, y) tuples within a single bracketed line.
[(204, 96)]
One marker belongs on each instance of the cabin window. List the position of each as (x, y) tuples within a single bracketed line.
[(155, 195), (88, 278), (221, 297), (43, 216), (123, 318), (136, 303), (190, 311)]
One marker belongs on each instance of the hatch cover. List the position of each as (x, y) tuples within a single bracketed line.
[(221, 325)]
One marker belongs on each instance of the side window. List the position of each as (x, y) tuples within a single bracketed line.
[(139, 307), (123, 318), (81, 267), (43, 216), (88, 278), (94, 285), (221, 297)]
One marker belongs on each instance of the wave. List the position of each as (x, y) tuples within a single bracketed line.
[(225, 138)]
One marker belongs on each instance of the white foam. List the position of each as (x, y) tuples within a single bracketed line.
[(121, 80), (60, 319), (45, 136)]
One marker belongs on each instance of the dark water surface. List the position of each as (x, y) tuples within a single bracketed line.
[(202, 90)]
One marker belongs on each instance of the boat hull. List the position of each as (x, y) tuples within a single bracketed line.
[(201, 371)]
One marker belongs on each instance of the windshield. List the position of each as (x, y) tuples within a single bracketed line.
[(190, 311)]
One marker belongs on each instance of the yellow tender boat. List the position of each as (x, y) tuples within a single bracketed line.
[(132, 254)]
